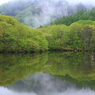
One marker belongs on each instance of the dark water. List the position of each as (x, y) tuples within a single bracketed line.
[(47, 74)]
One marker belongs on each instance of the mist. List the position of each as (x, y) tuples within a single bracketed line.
[(92, 2), (50, 11), (45, 11)]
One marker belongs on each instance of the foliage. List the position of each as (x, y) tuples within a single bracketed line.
[(82, 35), (73, 67), (58, 36), (15, 67), (80, 15), (16, 37), (79, 36)]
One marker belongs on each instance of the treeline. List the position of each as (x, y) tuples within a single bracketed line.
[(16, 37), (80, 15), (78, 36)]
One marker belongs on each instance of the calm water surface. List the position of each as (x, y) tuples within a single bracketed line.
[(47, 74)]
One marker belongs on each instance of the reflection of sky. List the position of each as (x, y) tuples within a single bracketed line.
[(72, 91), (5, 91), (77, 92)]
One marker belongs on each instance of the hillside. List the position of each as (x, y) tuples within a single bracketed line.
[(35, 13), (80, 15)]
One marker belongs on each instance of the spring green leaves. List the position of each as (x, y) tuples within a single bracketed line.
[(16, 37)]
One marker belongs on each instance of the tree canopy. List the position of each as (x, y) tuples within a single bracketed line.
[(16, 37), (79, 15)]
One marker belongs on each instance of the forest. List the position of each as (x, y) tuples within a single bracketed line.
[(66, 32), (80, 15), (47, 44), (51, 37), (17, 37)]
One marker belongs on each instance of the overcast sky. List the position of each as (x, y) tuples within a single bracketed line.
[(71, 1), (3, 1), (83, 1)]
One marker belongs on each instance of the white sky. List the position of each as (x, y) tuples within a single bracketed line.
[(71, 1), (83, 1), (3, 1)]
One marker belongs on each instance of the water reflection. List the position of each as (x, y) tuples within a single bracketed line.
[(71, 91), (15, 67), (44, 84), (63, 73), (5, 91), (41, 83)]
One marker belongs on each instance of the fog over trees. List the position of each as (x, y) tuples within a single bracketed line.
[(35, 13)]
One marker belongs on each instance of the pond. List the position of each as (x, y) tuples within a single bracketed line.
[(49, 73)]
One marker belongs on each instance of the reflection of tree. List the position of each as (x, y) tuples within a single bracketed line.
[(79, 84), (79, 66), (15, 67)]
